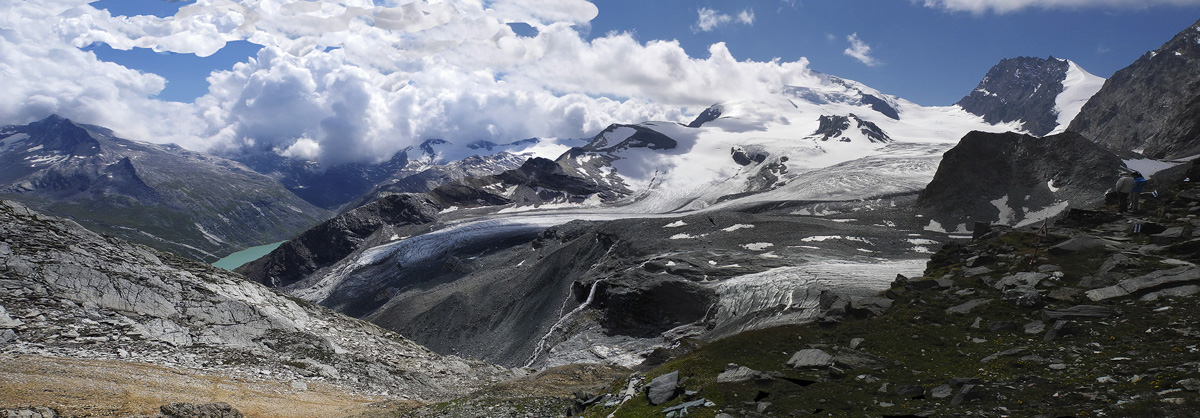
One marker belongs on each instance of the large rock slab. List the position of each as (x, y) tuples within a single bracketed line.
[(1160, 279)]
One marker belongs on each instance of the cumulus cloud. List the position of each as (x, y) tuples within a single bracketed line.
[(357, 80), (709, 20), (1008, 6), (860, 51)]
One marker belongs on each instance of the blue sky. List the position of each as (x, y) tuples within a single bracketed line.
[(928, 55), (356, 80)]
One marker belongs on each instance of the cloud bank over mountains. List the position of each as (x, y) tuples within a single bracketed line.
[(356, 80), (1009, 6)]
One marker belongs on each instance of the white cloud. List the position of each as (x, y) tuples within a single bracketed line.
[(746, 17), (346, 80), (709, 20), (1008, 6), (860, 51)]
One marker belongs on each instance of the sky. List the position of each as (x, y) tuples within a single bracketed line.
[(339, 81)]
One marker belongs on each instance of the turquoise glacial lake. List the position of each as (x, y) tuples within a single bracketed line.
[(236, 260)]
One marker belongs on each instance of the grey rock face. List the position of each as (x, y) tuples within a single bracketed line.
[(1150, 105), (83, 295), (1002, 178), (1020, 89), (162, 196)]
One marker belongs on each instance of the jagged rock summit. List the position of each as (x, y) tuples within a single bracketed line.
[(1152, 106), (1043, 95), (160, 195)]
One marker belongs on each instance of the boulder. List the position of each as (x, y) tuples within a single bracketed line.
[(810, 357), (735, 373), (663, 388), (868, 306), (1168, 236), (941, 392)]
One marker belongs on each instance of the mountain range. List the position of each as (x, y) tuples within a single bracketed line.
[(190, 203), (615, 249)]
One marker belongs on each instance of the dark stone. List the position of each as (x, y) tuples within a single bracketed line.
[(966, 394), (920, 285), (1078, 312), (981, 229), (1005, 326), (910, 391), (1058, 330), (1083, 218), (850, 360), (960, 381)]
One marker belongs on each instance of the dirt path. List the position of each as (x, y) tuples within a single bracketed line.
[(111, 388)]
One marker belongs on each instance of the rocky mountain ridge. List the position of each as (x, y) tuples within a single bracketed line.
[(189, 203), (1151, 106)]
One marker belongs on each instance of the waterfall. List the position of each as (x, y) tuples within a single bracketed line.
[(543, 343)]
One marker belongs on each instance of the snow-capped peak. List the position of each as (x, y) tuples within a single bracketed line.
[(1078, 86)]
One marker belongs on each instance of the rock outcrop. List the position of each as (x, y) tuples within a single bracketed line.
[(68, 292), (1013, 179)]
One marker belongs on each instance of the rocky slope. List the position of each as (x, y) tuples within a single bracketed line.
[(188, 203), (1015, 179), (1151, 106), (66, 292)]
